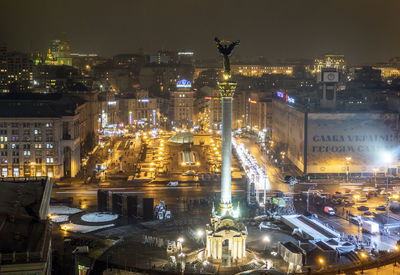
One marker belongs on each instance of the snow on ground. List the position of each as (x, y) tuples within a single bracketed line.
[(99, 217), (63, 210), (58, 218), (78, 228)]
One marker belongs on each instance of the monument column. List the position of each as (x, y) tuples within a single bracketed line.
[(227, 89)]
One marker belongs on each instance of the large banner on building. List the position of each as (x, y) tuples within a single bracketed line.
[(354, 141)]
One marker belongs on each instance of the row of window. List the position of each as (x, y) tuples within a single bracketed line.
[(25, 125), (16, 172), (27, 146), (37, 160)]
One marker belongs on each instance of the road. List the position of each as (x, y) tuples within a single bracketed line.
[(174, 197), (273, 172)]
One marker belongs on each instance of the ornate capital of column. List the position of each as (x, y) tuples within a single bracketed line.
[(227, 88)]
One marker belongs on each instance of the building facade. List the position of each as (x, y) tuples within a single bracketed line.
[(40, 137), (333, 142), (183, 104), (259, 70)]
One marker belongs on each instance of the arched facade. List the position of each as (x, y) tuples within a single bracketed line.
[(226, 240)]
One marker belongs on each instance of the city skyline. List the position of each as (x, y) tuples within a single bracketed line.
[(361, 30)]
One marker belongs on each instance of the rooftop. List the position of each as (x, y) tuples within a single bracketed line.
[(38, 105), (25, 232)]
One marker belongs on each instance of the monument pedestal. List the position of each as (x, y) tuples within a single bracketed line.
[(226, 238)]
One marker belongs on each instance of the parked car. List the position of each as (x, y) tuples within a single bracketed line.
[(381, 208), (363, 208)]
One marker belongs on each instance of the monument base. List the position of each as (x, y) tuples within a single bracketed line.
[(226, 237)]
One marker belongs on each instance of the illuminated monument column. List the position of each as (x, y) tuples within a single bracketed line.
[(227, 89), (226, 236)]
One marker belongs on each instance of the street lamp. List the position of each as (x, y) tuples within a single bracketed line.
[(321, 261), (375, 170), (348, 159), (266, 240), (387, 158)]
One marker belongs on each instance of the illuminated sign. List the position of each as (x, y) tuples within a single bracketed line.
[(185, 53), (207, 98), (287, 98), (252, 101), (145, 100), (112, 102), (184, 84)]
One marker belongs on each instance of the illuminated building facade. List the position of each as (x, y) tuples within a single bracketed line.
[(183, 104), (40, 136), (19, 70), (318, 141), (3, 69), (59, 53), (259, 112), (335, 61), (145, 110), (259, 70)]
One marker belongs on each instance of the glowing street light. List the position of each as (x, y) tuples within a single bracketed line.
[(266, 240), (348, 159), (200, 233), (387, 158), (321, 261)]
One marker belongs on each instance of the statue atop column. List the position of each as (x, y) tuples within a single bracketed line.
[(225, 48)]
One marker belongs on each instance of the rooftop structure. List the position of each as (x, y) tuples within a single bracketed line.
[(25, 232)]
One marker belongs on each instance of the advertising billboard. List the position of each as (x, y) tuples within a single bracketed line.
[(354, 141)]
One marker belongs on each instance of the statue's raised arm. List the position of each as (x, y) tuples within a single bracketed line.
[(225, 48)]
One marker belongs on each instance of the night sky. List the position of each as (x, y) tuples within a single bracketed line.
[(365, 31)]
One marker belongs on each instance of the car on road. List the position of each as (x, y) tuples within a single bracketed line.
[(363, 208), (368, 214), (189, 173), (268, 225), (380, 208), (329, 210), (173, 183)]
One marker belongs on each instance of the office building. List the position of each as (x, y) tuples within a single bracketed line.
[(40, 135), (183, 104)]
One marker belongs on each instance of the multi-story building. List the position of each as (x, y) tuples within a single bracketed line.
[(215, 113), (145, 110), (260, 112), (108, 110), (40, 135), (259, 70), (25, 232), (334, 61), (334, 141), (3, 69), (183, 104), (88, 118), (59, 53), (19, 70)]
